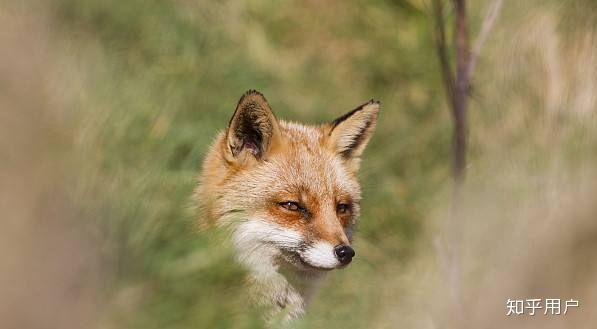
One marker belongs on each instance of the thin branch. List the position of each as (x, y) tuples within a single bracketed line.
[(441, 49), (488, 22), (461, 88), (457, 86)]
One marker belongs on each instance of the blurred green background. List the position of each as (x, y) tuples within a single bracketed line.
[(149, 83), (167, 76)]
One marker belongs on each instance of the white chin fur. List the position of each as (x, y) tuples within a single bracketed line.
[(257, 242), (256, 231), (320, 254)]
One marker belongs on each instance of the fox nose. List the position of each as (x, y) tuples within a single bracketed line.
[(344, 253)]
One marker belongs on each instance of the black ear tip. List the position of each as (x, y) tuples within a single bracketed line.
[(252, 92), (249, 93), (374, 101)]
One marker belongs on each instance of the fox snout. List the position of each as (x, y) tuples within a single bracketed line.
[(325, 256), (344, 253)]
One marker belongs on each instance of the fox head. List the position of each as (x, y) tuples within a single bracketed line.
[(288, 191)]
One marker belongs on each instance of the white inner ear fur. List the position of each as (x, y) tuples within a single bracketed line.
[(351, 128), (321, 254), (350, 136)]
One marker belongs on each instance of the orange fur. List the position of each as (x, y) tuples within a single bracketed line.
[(287, 191)]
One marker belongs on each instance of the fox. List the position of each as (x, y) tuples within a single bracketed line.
[(289, 195)]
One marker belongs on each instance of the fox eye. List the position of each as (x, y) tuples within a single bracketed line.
[(343, 208), (291, 205)]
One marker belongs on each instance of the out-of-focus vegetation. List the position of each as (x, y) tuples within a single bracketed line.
[(146, 85)]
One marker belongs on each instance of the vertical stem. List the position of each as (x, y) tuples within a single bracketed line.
[(457, 89), (459, 112), (461, 89), (442, 52)]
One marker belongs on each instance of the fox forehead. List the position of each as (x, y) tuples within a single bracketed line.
[(259, 161), (302, 165)]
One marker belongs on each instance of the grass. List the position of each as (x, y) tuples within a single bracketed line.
[(149, 84)]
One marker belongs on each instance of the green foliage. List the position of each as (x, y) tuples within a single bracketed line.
[(160, 79), (166, 75)]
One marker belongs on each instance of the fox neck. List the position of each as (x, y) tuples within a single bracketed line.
[(281, 287)]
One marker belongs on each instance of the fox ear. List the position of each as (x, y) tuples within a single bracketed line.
[(252, 129), (350, 133)]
